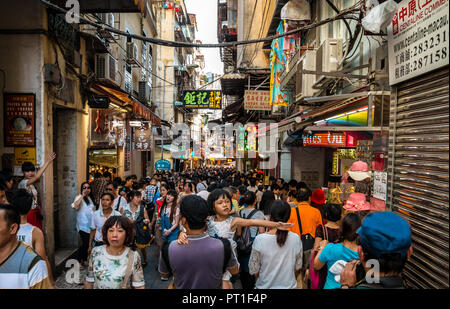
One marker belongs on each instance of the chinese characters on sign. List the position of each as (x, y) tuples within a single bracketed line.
[(19, 119), (257, 100), (143, 139), (211, 99), (325, 139), (418, 39)]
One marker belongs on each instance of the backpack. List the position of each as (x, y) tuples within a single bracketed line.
[(226, 254), (244, 242)]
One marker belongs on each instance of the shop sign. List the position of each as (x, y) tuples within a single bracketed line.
[(418, 39), (379, 185), (347, 154), (162, 165), (325, 139), (211, 99), (127, 152), (22, 155), (335, 170), (142, 139), (257, 100), (19, 119)]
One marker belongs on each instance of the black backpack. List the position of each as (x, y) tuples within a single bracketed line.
[(226, 254), (244, 242)]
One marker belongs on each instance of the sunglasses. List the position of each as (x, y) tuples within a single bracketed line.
[(85, 188), (108, 189)]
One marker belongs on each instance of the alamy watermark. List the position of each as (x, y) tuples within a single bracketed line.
[(73, 14)]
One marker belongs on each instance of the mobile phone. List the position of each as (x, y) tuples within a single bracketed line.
[(360, 272)]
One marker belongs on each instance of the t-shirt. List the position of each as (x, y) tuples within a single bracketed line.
[(199, 264), (119, 202), (24, 269), (310, 217), (107, 271), (127, 212), (31, 189), (84, 215), (203, 194), (330, 255), (333, 234), (25, 234), (257, 215), (97, 222), (276, 264)]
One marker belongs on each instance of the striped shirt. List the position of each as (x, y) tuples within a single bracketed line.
[(24, 269)]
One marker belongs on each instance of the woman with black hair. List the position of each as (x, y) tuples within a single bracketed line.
[(266, 203), (85, 207), (170, 217), (335, 256), (277, 254)]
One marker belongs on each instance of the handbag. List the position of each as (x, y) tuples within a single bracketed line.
[(124, 284), (307, 239), (143, 236), (318, 277)]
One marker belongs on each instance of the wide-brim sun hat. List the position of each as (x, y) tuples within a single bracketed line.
[(359, 171), (357, 202)]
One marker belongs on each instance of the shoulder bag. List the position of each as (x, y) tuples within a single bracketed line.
[(318, 277), (307, 239), (124, 284)]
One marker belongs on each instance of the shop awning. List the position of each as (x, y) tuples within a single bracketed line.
[(124, 99), (334, 105)]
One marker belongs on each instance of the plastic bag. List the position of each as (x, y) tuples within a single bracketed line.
[(371, 3), (296, 10), (380, 16)]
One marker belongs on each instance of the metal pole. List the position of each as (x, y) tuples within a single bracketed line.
[(162, 104)]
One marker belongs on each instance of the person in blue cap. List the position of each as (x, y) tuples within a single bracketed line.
[(384, 241)]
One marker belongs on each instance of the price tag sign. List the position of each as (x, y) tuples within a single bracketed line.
[(418, 39), (379, 185)]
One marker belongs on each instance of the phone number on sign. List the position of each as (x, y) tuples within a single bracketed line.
[(420, 56)]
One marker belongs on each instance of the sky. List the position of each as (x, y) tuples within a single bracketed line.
[(206, 11)]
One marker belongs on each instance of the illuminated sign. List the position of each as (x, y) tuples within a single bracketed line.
[(208, 99), (325, 139)]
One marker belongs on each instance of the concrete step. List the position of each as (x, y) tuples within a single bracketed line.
[(61, 257)]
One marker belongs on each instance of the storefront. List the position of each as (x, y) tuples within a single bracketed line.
[(418, 179)]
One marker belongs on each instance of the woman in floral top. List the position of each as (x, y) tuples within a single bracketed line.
[(109, 265)]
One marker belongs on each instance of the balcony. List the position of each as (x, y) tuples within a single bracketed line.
[(106, 6)]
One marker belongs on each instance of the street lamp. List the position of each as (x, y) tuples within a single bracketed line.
[(189, 66)]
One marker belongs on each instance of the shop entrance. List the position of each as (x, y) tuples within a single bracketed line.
[(102, 160)]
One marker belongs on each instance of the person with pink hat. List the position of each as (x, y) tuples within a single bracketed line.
[(357, 203)]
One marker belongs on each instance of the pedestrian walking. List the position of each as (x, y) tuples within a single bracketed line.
[(114, 265), (201, 261), (85, 208), (98, 219), (170, 217), (119, 201), (29, 234), (334, 256), (30, 178), (276, 255), (20, 266)]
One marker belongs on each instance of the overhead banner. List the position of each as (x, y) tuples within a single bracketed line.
[(257, 100), (418, 39), (207, 99), (19, 119)]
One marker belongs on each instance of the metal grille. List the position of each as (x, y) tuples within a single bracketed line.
[(418, 174)]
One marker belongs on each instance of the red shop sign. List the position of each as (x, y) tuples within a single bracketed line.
[(19, 118), (325, 139)]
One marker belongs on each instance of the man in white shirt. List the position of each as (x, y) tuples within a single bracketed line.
[(99, 217), (202, 192), (119, 201)]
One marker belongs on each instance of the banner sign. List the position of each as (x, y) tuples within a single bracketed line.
[(210, 99), (143, 139), (19, 119), (418, 39), (257, 100), (325, 139)]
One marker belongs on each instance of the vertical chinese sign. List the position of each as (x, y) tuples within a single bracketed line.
[(19, 119)]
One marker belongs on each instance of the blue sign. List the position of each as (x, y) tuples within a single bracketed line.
[(162, 165)]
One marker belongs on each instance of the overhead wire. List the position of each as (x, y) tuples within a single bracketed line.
[(343, 15)]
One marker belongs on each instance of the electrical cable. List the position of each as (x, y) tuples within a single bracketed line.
[(342, 15)]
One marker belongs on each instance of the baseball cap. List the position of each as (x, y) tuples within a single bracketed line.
[(384, 232)]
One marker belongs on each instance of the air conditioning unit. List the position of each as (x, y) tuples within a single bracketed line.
[(106, 68), (132, 53), (328, 57), (107, 18), (305, 82), (144, 92)]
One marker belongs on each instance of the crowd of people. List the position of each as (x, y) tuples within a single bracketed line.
[(212, 227)]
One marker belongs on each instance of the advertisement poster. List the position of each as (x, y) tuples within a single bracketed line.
[(22, 154), (418, 39), (379, 185), (19, 119)]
